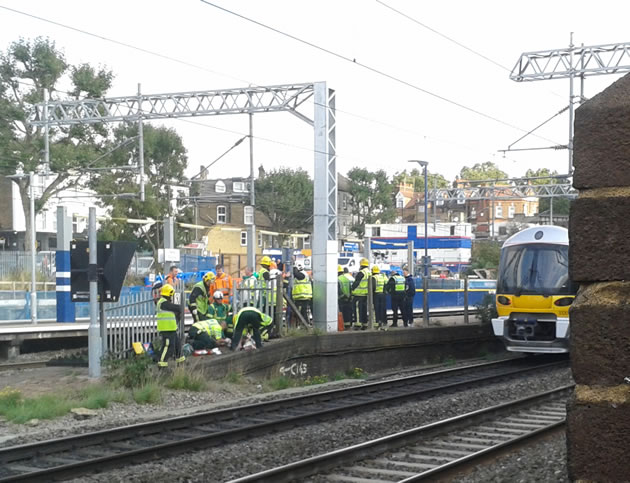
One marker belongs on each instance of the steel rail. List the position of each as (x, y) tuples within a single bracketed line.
[(23, 365), (77, 455), (420, 446)]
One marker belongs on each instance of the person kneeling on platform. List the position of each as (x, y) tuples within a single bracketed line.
[(207, 334), (246, 318), (168, 314)]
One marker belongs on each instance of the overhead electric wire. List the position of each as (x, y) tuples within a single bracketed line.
[(371, 69), (183, 62), (124, 44)]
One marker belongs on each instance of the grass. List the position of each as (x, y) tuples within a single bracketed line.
[(18, 409), (234, 378), (148, 394), (183, 379)]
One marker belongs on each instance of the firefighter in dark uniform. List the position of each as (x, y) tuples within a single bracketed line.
[(207, 334), (360, 292), (249, 318), (167, 316), (378, 289), (396, 288)]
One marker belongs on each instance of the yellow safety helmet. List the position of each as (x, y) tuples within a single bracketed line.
[(375, 269), (209, 277), (339, 269), (365, 262), (265, 260), (167, 291)]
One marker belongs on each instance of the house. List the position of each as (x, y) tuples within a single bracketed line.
[(223, 206), (12, 220)]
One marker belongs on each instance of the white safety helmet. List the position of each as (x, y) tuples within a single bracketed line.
[(299, 266), (218, 294)]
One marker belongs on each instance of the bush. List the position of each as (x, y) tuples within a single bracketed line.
[(131, 373), (486, 309)]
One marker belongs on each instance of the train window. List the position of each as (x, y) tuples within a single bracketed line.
[(535, 269)]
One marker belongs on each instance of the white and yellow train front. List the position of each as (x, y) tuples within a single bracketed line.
[(534, 291)]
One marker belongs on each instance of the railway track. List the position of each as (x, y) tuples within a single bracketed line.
[(23, 365), (77, 455), (430, 451)]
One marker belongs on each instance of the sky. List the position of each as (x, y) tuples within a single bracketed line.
[(381, 122)]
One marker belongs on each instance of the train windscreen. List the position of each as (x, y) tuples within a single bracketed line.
[(535, 269)]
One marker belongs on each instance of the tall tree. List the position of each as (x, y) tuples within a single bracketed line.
[(416, 177), (27, 69), (560, 205), (285, 195), (165, 161), (482, 171), (372, 199)]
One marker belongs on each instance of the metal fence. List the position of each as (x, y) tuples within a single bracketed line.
[(256, 293), (13, 263), (131, 320)]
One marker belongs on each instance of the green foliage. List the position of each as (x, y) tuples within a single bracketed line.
[(485, 254), (164, 162), (184, 378), (280, 383), (234, 378), (285, 195), (27, 68), (561, 206), (416, 177), (147, 394), (372, 198), (486, 309), (482, 171), (314, 380), (131, 373), (356, 373)]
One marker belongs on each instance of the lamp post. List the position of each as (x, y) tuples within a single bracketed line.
[(425, 261)]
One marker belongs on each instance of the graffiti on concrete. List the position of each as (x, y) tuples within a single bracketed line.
[(295, 369)]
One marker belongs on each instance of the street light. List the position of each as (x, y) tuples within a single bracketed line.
[(33, 236), (425, 261)]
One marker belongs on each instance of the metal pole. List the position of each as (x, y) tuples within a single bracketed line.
[(410, 263), (94, 333), (31, 181), (251, 239), (140, 145), (103, 324), (571, 75), (551, 210), (425, 284), (46, 138), (434, 208), (466, 320)]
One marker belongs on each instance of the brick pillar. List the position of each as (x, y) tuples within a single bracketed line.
[(598, 423)]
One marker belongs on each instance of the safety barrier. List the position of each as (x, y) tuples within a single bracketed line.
[(256, 293)]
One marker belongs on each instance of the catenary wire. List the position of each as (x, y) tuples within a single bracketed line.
[(371, 69), (173, 59)]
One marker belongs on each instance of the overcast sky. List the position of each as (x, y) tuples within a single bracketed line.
[(381, 123)]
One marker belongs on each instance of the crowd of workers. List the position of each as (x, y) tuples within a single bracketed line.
[(216, 325)]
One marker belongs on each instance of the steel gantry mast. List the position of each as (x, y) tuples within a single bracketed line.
[(248, 100), (570, 63)]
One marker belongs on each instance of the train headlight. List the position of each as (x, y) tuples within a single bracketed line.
[(564, 301), (503, 300)]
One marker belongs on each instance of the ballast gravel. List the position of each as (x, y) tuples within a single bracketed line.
[(544, 462)]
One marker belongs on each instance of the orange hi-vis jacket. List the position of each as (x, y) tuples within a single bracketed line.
[(225, 284)]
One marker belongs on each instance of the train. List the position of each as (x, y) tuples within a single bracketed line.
[(534, 291)]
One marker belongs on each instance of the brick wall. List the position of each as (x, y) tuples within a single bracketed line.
[(598, 422)]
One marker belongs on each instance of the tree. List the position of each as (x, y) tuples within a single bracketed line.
[(27, 69), (485, 254), (285, 195), (164, 161), (482, 171), (560, 205), (417, 178), (372, 199)]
